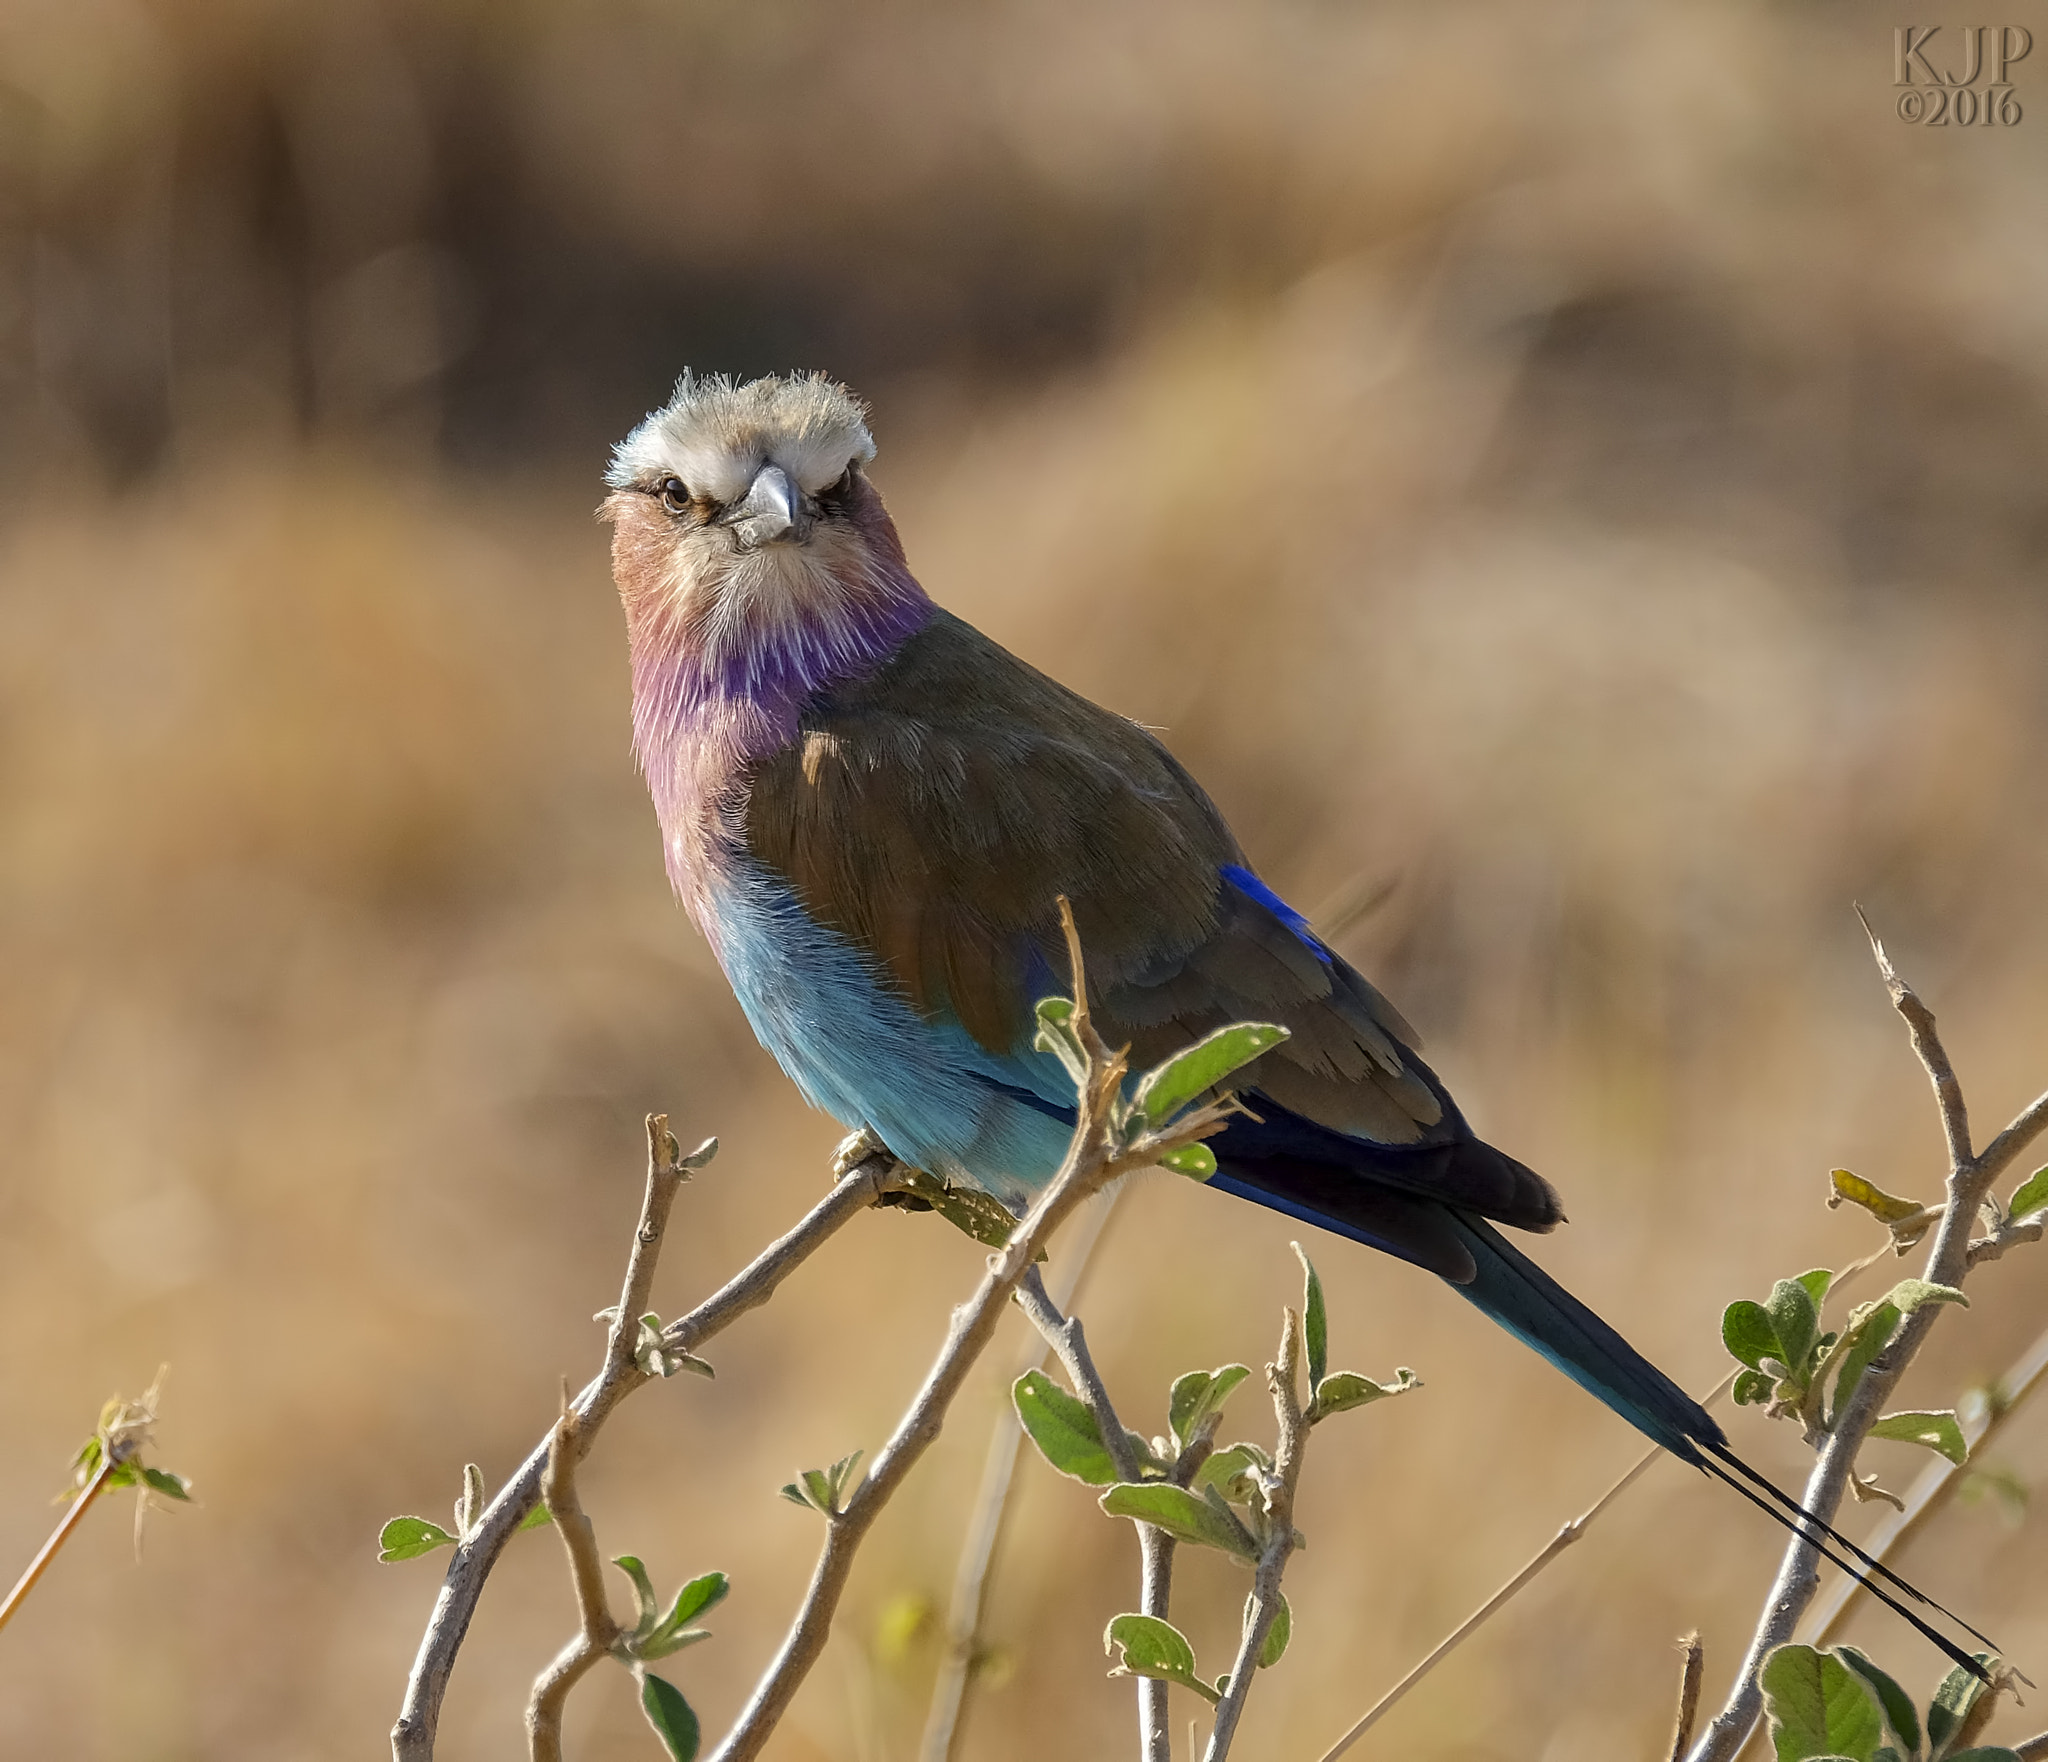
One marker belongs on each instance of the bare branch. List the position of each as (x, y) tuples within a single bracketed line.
[(2033, 1750), (1688, 1694), (1948, 1092), (2029, 1124), (412, 1737), (1281, 1378), (597, 1631)]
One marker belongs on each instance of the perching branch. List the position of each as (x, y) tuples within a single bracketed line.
[(1264, 1606), (1094, 1158), (1970, 1177), (412, 1737)]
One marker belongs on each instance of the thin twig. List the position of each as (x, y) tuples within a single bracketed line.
[(1092, 1161), (1926, 1497), (1688, 1694), (965, 1612), (1948, 1263), (596, 1632), (57, 1538), (1264, 1606), (1155, 1547), (2033, 1750), (412, 1737)]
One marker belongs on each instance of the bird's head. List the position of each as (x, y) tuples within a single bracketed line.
[(747, 540)]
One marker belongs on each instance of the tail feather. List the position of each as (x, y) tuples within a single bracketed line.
[(1517, 1293)]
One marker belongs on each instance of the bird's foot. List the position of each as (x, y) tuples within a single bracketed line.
[(854, 1149)]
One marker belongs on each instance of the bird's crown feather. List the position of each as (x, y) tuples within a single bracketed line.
[(715, 433)]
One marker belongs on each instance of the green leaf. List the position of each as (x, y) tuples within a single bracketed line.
[(1315, 1320), (537, 1519), (1747, 1332), (1753, 1388), (1950, 1709), (1818, 1707), (1226, 1471), (1185, 1516), (1346, 1388), (1155, 1648), (1909, 1294), (670, 1715), (1897, 1704), (1063, 1428), (1163, 1091), (706, 1591), (1937, 1431), (1277, 1636), (1196, 1396), (172, 1486), (1196, 1161), (2032, 1195), (1872, 1327), (1056, 1035), (407, 1538), (643, 1593), (1795, 1320), (1816, 1283)]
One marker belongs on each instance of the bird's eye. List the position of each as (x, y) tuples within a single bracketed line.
[(674, 496), (841, 489)]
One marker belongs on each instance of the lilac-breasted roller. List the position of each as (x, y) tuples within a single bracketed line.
[(871, 810)]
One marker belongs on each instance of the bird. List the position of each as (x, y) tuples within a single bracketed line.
[(871, 811)]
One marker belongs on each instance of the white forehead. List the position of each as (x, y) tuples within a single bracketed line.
[(716, 435)]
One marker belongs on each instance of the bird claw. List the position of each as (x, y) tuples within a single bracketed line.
[(854, 1149)]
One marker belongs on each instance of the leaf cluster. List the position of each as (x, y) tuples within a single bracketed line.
[(1838, 1706), (824, 1489), (1795, 1370)]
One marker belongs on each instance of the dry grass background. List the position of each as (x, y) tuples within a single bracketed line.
[(1584, 468)]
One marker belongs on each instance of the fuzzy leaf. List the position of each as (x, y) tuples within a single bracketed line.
[(1155, 1648), (1873, 1327), (1225, 1470), (1185, 1516), (1818, 1707), (1896, 1703), (643, 1593), (537, 1519), (1747, 1332), (1950, 1709), (1753, 1388), (2032, 1195), (1196, 1161), (1909, 1294), (1315, 1320), (1199, 1394), (1937, 1431), (671, 1716), (1346, 1388), (1163, 1091), (1795, 1320), (1063, 1428), (407, 1538), (1277, 1636)]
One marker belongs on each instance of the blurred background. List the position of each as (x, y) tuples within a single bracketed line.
[(1576, 472)]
